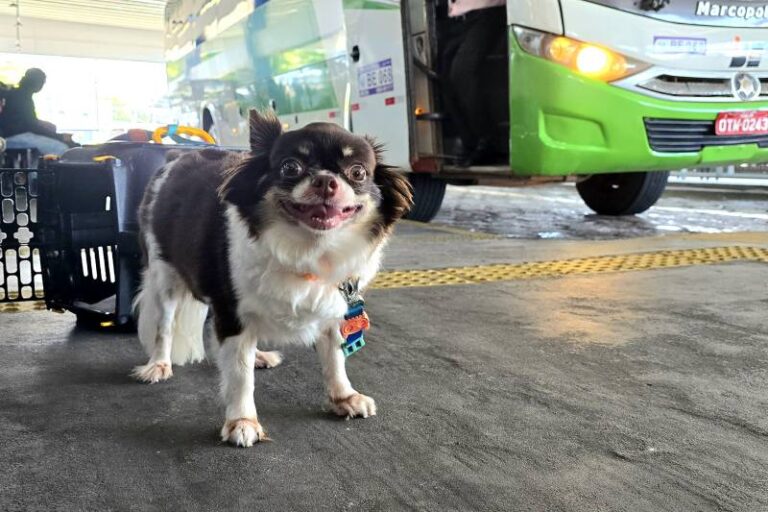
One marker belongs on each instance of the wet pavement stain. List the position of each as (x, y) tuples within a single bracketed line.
[(557, 212)]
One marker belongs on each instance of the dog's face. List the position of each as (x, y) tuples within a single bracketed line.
[(324, 177), (320, 178)]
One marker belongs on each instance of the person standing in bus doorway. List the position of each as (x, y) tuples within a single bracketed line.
[(472, 29), (18, 120)]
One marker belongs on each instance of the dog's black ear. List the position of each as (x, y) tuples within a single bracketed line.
[(245, 183), (265, 128), (395, 189), (396, 194), (378, 148)]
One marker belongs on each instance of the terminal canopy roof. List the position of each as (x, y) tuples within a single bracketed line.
[(110, 29)]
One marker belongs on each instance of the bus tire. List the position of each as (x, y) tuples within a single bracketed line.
[(428, 193), (622, 193)]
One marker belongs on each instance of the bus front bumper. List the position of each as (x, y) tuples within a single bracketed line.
[(562, 123)]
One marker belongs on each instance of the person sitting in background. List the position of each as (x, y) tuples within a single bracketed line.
[(19, 124)]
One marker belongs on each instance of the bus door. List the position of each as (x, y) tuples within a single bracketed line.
[(379, 104)]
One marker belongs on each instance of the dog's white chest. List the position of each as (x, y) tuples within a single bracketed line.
[(276, 299), (283, 307)]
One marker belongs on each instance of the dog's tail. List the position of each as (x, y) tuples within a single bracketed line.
[(188, 329), (188, 325), (146, 310)]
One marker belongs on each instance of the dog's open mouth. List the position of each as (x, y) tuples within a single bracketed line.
[(321, 216)]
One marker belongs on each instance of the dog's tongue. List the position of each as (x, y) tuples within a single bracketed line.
[(321, 216), (325, 211)]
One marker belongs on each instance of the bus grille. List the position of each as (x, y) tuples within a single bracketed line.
[(682, 87), (678, 136)]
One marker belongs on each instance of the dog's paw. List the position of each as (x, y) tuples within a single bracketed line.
[(355, 404), (243, 432), (268, 359), (153, 372)]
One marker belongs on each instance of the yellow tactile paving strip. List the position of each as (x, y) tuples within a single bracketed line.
[(536, 270), (579, 266), (18, 307)]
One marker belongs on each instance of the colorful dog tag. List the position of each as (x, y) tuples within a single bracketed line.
[(355, 323)]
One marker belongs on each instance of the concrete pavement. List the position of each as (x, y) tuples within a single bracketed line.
[(640, 390)]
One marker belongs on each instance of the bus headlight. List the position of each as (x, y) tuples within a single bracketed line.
[(586, 59)]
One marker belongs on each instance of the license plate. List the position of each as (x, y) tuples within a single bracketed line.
[(749, 122), (375, 78)]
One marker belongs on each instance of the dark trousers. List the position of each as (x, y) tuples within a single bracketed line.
[(465, 43)]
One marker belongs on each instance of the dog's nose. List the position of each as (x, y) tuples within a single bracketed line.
[(325, 186)]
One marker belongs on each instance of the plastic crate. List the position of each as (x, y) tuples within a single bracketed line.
[(88, 228), (20, 262), (20, 158)]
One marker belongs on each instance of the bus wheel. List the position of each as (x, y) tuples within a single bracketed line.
[(428, 193), (622, 193)]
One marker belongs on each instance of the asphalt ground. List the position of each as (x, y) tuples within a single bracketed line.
[(638, 389)]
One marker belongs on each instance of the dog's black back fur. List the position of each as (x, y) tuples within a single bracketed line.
[(187, 219)]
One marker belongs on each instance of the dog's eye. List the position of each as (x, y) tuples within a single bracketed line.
[(357, 173), (291, 168)]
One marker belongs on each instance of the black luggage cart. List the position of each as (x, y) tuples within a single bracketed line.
[(87, 229)]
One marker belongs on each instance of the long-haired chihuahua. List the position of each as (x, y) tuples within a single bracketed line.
[(277, 243)]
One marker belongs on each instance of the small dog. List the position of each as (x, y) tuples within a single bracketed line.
[(265, 240)]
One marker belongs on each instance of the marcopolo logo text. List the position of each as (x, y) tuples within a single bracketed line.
[(746, 12)]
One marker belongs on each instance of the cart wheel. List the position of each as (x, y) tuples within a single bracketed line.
[(98, 321), (623, 193), (428, 193), (91, 319)]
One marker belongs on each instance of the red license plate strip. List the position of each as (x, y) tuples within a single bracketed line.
[(749, 122)]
